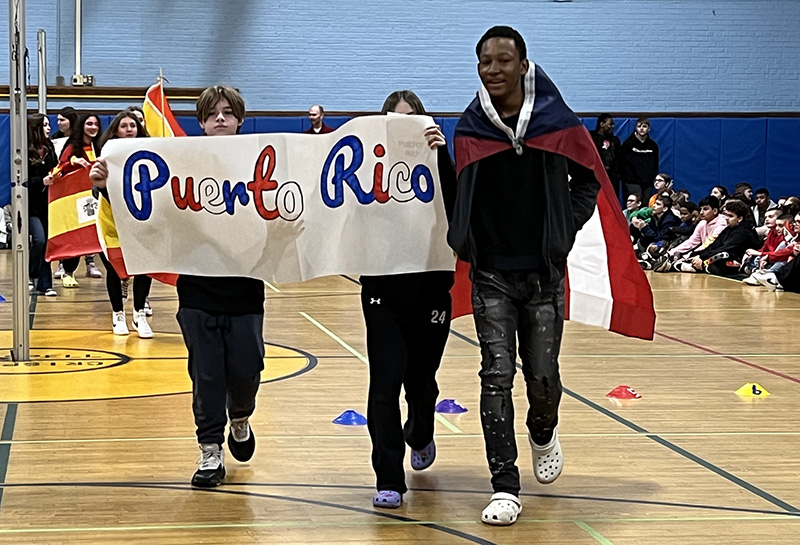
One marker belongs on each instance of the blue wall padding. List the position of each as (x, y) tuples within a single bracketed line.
[(783, 156), (698, 152)]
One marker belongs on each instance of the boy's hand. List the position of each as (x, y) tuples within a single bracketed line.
[(434, 137), (99, 173), (697, 263), (750, 251)]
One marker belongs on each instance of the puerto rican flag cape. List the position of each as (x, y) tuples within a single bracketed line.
[(605, 285)]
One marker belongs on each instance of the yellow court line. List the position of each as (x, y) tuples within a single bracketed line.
[(447, 424), (270, 286), (370, 523), (632, 435)]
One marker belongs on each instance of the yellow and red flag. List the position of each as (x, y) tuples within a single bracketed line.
[(160, 122), (72, 211), (157, 114)]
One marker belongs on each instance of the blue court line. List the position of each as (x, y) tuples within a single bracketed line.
[(671, 446), (5, 448)]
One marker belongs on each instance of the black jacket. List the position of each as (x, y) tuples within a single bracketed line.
[(734, 241), (609, 149), (569, 205), (657, 228), (38, 168), (639, 161)]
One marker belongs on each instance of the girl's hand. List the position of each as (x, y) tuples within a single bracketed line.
[(99, 173), (435, 137), (48, 180)]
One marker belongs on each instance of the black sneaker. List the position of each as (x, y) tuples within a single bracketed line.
[(241, 439), (662, 264), (212, 467)]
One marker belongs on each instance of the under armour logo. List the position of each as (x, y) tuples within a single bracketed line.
[(373, 301)]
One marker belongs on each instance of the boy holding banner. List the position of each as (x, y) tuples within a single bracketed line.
[(222, 321)]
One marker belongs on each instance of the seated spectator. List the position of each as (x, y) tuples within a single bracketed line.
[(661, 185), (762, 206), (791, 206), (774, 238), (721, 193), (744, 192), (723, 256), (784, 275), (711, 224), (632, 204), (654, 230), (688, 213)]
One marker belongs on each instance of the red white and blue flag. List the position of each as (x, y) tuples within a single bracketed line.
[(605, 284)]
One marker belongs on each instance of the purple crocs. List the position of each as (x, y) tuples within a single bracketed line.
[(388, 499), (423, 459)]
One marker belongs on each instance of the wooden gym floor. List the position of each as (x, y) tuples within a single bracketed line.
[(98, 442)]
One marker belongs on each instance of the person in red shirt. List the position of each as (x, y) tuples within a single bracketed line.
[(316, 114)]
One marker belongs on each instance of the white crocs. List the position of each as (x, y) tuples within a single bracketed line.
[(503, 510), (548, 461)]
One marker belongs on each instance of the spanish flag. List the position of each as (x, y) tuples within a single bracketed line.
[(161, 122), (157, 113), (72, 211)]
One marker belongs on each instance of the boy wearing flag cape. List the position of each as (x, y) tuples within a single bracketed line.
[(521, 198)]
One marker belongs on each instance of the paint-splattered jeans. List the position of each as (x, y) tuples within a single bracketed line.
[(507, 305)]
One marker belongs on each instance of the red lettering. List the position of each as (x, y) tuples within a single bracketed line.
[(182, 201), (262, 181), (377, 176)]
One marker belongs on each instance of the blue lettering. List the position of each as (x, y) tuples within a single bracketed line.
[(421, 171), (342, 174), (239, 191), (146, 185)]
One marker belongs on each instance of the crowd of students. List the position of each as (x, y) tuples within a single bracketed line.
[(743, 235)]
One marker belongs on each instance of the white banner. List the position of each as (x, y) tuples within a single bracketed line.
[(364, 199)]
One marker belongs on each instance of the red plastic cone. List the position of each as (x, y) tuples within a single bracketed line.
[(623, 392)]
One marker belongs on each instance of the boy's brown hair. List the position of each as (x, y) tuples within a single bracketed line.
[(211, 95)]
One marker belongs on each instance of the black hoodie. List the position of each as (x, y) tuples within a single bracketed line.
[(734, 241), (639, 161)]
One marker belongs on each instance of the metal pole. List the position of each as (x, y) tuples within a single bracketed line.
[(18, 107), (41, 46), (78, 38)]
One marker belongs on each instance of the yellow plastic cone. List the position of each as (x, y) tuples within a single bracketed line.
[(752, 389)]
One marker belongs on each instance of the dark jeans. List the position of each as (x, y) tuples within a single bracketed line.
[(141, 288), (39, 269), (226, 357), (507, 305), (405, 343)]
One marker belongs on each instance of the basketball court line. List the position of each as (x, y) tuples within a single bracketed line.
[(747, 514), (442, 420), (671, 446)]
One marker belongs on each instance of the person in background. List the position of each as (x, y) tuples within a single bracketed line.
[(316, 115)]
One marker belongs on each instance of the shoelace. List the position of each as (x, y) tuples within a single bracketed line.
[(240, 431), (209, 460)]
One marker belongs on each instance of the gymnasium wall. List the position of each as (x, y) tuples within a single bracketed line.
[(605, 55), (688, 56)]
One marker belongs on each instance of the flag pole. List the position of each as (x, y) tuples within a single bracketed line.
[(163, 99)]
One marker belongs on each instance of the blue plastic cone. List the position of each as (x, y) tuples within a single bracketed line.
[(2, 299), (450, 406), (350, 418)]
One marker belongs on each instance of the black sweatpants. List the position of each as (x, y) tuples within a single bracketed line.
[(406, 334), (141, 288), (507, 305), (226, 357)]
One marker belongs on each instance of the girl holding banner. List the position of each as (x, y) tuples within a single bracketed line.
[(126, 125), (408, 321), (79, 152)]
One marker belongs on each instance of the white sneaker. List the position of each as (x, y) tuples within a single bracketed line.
[(59, 271), (118, 321), (140, 325), (148, 310), (751, 280), (769, 281)]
